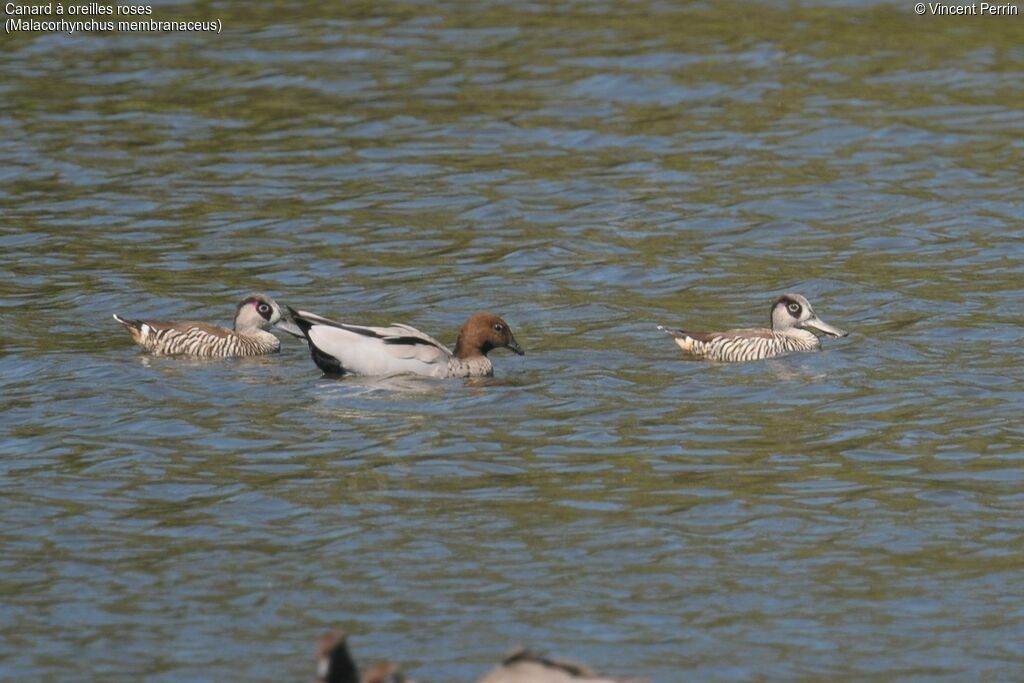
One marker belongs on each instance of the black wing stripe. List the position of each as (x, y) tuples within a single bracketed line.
[(364, 331), (408, 341), (305, 324)]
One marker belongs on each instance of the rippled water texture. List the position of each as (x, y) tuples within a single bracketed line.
[(587, 170)]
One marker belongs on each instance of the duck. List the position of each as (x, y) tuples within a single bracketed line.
[(254, 315), (342, 348), (524, 666), (334, 664), (794, 328)]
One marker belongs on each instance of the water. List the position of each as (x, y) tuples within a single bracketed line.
[(588, 171)]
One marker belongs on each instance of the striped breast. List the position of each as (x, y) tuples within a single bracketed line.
[(737, 347), (206, 341)]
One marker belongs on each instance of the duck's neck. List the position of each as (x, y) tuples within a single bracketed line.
[(804, 338), (260, 336), (466, 349)]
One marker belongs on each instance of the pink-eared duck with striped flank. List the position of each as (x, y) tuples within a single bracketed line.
[(254, 316), (794, 325), (342, 348)]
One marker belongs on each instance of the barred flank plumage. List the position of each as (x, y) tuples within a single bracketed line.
[(194, 341), (735, 349), (253, 316), (793, 325)]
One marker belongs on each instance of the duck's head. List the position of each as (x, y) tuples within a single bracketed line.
[(257, 310), (483, 332), (793, 311)]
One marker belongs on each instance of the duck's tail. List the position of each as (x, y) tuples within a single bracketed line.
[(678, 334), (134, 326), (682, 338), (130, 324)]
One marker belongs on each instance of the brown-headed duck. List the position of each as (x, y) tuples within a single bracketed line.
[(342, 348)]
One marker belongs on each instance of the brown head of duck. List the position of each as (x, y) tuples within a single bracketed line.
[(482, 333)]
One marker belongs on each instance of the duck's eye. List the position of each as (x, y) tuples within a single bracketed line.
[(263, 308), (498, 327), (794, 308)]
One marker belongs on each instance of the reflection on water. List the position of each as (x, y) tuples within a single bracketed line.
[(587, 170)]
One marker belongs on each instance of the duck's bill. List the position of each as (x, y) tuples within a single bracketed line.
[(820, 325), (516, 348), (288, 326)]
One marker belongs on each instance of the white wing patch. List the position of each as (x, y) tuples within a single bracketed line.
[(366, 355)]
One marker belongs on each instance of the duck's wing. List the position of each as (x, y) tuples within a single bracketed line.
[(707, 337), (358, 349), (744, 333), (409, 331), (184, 336), (156, 326), (719, 345)]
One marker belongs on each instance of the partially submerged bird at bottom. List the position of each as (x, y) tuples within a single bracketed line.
[(253, 317), (523, 666), (342, 348), (794, 328), (334, 664)]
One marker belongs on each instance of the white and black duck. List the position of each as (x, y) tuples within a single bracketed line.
[(343, 348)]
